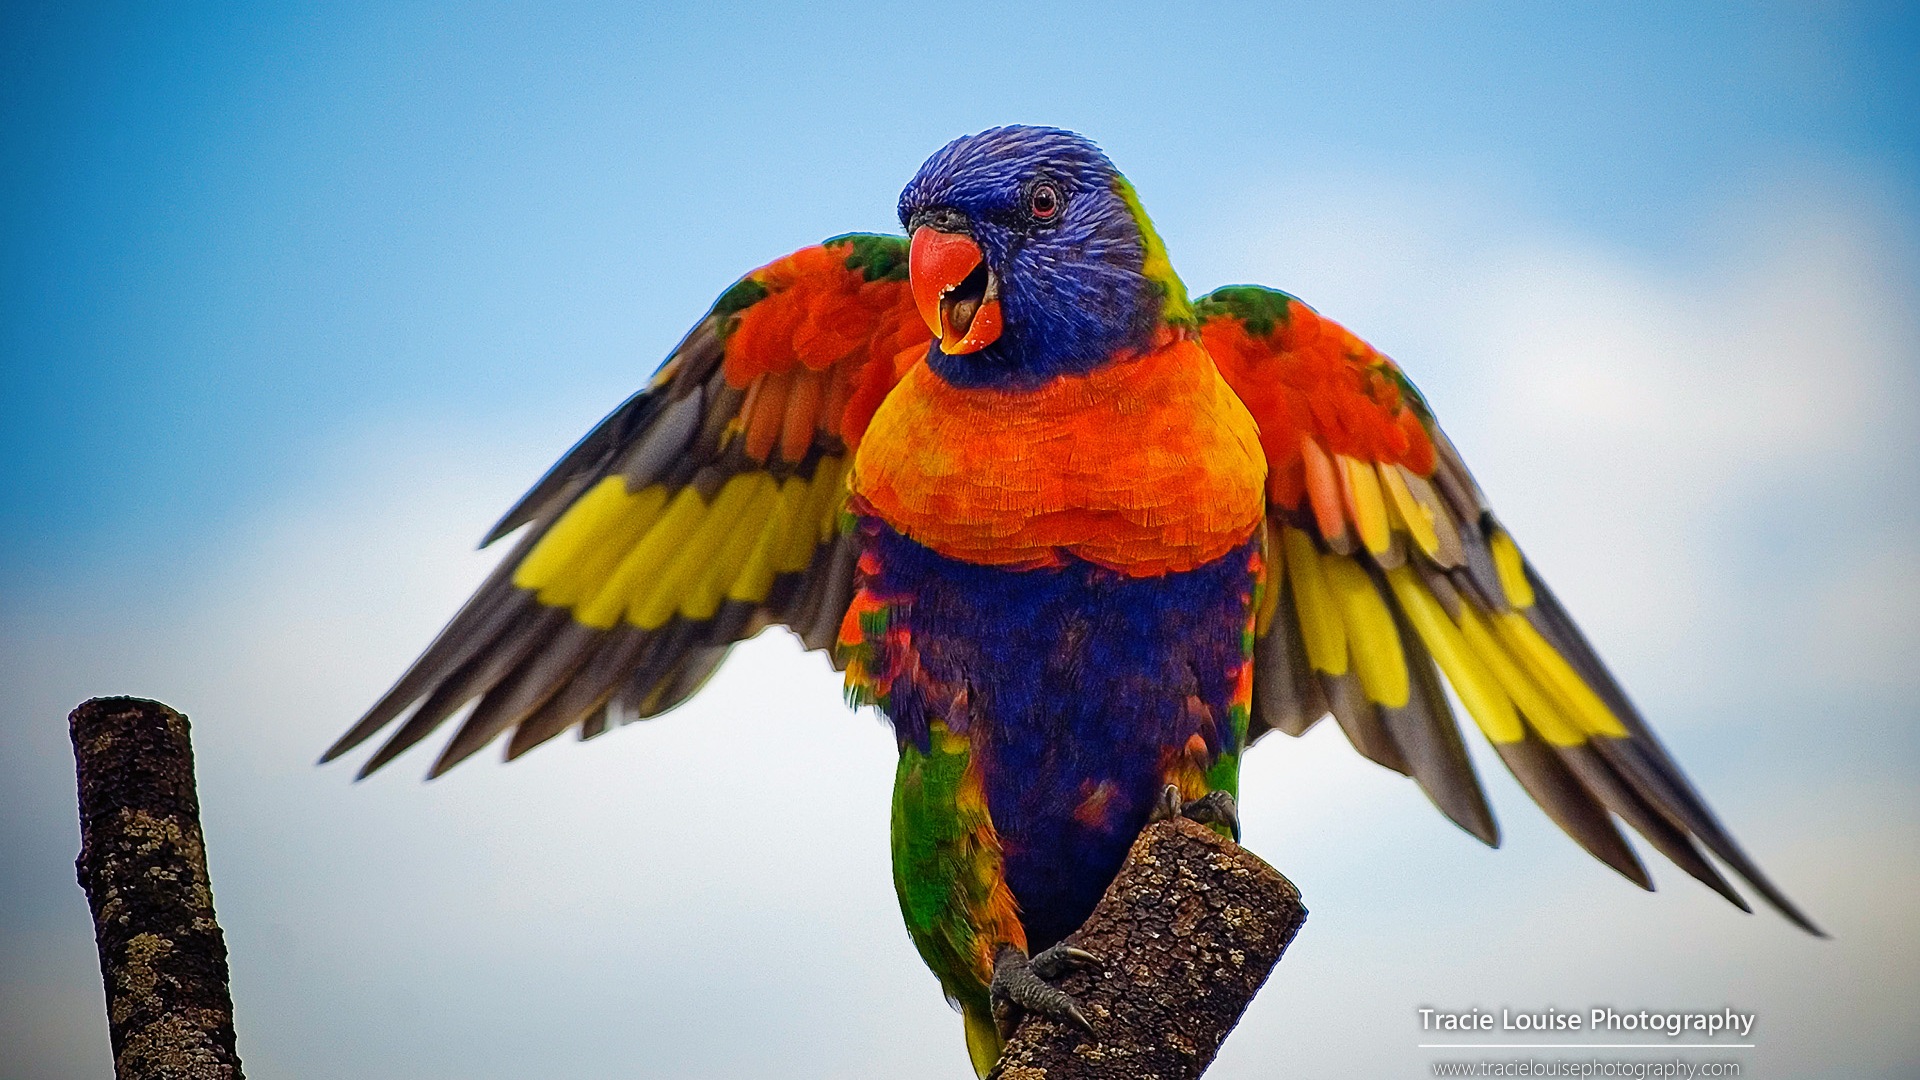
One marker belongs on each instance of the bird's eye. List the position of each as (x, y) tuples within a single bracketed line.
[(1044, 202)]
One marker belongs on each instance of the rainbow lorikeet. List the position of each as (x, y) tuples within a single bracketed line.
[(1081, 539)]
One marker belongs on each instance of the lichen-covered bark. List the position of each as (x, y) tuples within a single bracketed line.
[(143, 864), (1186, 934)]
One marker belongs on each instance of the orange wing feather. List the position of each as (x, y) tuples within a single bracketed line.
[(819, 351), (1309, 378), (1388, 569)]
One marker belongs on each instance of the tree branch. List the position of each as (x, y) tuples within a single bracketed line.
[(1186, 934), (143, 864)]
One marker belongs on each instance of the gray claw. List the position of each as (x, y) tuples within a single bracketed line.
[(1018, 987), (1215, 808), (1060, 959)]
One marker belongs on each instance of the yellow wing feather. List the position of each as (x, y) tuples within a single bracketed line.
[(1486, 702), (1373, 640), (573, 561), (1409, 514), (1320, 623), (1366, 507)]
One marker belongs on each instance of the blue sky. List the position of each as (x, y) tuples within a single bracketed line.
[(296, 299), (231, 236)]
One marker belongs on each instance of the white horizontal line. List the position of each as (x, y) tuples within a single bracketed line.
[(1585, 1046)]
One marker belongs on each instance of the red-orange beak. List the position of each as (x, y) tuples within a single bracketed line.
[(955, 290)]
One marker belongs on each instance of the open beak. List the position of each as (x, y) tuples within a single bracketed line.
[(955, 290)]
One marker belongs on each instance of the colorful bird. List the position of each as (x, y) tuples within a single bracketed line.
[(1082, 541)]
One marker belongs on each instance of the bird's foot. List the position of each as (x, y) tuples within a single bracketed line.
[(1021, 984), (1213, 808)]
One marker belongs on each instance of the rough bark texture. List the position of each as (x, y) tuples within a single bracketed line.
[(143, 864), (1186, 934)]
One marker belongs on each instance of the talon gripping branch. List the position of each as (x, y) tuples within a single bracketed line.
[(1080, 538)]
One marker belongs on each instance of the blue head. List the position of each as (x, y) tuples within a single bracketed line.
[(1032, 258)]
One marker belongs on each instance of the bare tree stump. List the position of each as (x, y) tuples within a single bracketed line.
[(1186, 934), (143, 865)]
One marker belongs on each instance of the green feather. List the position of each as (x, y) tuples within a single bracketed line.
[(877, 256), (1174, 306), (1261, 309), (935, 861), (744, 294)]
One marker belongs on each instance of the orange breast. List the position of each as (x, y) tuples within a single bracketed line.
[(1146, 466)]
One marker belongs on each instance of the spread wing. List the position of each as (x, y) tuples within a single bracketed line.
[(705, 508), (1387, 569)]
